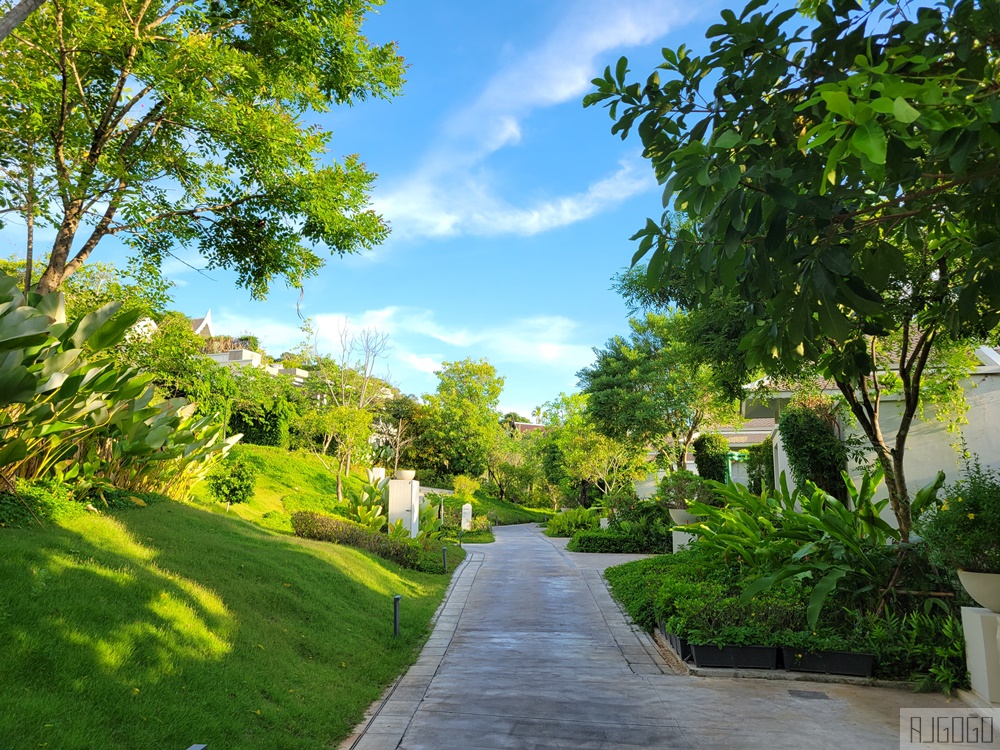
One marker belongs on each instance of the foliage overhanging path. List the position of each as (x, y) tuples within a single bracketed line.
[(530, 650)]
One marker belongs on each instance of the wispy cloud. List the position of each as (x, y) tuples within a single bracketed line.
[(451, 192), (421, 343)]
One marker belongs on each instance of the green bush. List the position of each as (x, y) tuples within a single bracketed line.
[(465, 487), (962, 530), (571, 521), (815, 452), (621, 540), (711, 456), (271, 428), (233, 480), (348, 533), (679, 487), (760, 466), (37, 501)]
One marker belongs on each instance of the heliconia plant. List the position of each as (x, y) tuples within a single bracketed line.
[(68, 411)]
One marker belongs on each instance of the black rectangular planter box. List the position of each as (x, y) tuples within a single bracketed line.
[(680, 645), (735, 657), (829, 662)]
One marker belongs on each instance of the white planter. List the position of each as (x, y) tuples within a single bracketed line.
[(407, 475), (983, 587), (682, 517)]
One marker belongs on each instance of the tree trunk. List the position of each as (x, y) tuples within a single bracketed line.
[(17, 15), (340, 487), (54, 273)]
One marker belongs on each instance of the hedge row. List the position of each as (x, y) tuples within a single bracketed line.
[(613, 540), (327, 529)]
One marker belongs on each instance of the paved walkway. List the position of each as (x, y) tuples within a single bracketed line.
[(530, 651)]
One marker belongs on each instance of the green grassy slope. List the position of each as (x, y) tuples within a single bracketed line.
[(286, 482), (170, 625), (500, 512)]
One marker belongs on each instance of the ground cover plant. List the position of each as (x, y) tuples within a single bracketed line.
[(169, 625)]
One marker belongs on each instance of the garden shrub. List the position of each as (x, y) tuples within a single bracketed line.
[(962, 530), (815, 452), (465, 487), (624, 539), (39, 500), (270, 428), (571, 521), (327, 529), (760, 466), (233, 481), (711, 456), (678, 487)]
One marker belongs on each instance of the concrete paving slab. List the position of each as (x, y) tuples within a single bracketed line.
[(530, 651)]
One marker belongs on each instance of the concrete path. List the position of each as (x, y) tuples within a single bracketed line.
[(530, 651)]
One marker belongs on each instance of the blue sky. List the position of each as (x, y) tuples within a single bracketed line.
[(511, 205)]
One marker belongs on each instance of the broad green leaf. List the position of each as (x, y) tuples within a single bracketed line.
[(727, 139), (903, 112), (869, 139), (839, 103)]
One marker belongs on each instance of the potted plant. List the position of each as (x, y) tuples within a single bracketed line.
[(680, 487), (825, 652), (722, 632), (962, 532)]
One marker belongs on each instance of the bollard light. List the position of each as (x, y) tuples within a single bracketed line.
[(395, 615), (444, 558)]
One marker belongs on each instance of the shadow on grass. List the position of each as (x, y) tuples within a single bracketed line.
[(172, 625)]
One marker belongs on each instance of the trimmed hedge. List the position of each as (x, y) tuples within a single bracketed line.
[(348, 533), (607, 540)]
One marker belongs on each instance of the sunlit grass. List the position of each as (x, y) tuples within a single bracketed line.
[(166, 626), (286, 482)]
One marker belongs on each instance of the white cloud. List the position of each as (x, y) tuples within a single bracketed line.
[(451, 192), (417, 338)]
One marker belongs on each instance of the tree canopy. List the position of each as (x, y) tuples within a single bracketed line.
[(166, 123), (840, 176), (650, 389)]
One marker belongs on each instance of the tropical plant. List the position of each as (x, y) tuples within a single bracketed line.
[(67, 411), (962, 527), (571, 521)]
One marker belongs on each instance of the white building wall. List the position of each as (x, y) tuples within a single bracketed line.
[(930, 447)]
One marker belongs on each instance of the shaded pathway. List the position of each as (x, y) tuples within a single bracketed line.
[(530, 651)]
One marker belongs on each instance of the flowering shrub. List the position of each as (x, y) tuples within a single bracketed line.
[(962, 530)]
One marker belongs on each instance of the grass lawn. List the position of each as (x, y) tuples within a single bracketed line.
[(500, 512), (172, 625), (286, 482)]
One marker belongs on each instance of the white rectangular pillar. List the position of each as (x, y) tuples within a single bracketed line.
[(982, 651)]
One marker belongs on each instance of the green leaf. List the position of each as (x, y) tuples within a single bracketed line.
[(727, 139), (903, 112), (869, 139), (14, 451), (821, 592), (839, 103)]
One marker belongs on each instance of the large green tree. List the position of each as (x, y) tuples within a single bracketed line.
[(840, 175), (166, 123), (650, 390), (460, 423)]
